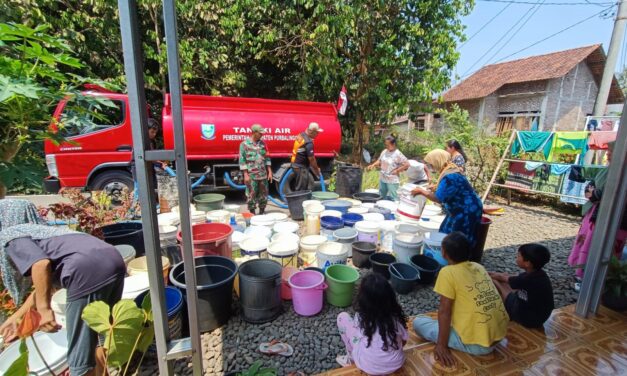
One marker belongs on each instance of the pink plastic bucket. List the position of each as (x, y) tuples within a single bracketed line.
[(286, 291), (307, 292)]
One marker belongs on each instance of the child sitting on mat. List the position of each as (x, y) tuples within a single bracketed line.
[(528, 297), (375, 337), (471, 316)]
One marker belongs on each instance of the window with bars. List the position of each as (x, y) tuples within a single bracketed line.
[(522, 121)]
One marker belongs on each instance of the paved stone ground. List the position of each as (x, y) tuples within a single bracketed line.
[(316, 341)]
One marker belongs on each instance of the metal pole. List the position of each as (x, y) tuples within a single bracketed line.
[(174, 77), (618, 33), (608, 220), (131, 47)]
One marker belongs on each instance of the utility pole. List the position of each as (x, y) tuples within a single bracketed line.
[(612, 56)]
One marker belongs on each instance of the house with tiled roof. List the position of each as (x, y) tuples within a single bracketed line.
[(555, 91)]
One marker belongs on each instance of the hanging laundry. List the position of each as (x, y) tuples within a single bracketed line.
[(529, 142), (607, 125), (573, 188), (534, 124), (592, 125), (532, 166), (518, 177), (576, 174), (544, 181), (559, 169), (599, 140), (568, 143)]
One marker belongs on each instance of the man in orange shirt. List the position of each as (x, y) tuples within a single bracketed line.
[(303, 158)]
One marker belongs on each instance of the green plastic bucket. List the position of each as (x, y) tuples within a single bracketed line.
[(341, 281), (322, 196), (209, 201)]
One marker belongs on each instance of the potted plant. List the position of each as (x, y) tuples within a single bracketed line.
[(615, 293)]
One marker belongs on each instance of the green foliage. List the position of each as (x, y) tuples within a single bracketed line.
[(19, 367), (256, 370), (126, 328), (616, 281), (35, 75)]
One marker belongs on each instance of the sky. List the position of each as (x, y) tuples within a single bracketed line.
[(535, 24)]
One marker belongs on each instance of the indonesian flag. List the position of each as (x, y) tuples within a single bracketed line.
[(342, 101)]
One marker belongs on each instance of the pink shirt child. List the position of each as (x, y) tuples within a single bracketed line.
[(372, 360)]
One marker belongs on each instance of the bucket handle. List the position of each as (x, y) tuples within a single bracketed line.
[(322, 286)]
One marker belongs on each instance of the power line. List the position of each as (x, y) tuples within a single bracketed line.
[(604, 4), (486, 24), (499, 41), (554, 34), (517, 31)]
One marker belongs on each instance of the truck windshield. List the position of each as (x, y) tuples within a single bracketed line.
[(85, 116)]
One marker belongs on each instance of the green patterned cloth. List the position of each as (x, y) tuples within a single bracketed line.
[(253, 157)]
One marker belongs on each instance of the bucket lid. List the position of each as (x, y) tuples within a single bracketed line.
[(332, 249), (368, 205), (262, 220), (286, 227), (389, 225), (331, 213), (237, 237), (313, 240), (231, 207), (428, 225), (258, 231), (285, 237), (314, 208), (167, 231), (358, 210), (434, 238), (308, 202), (387, 204), (254, 244), (354, 203), (337, 203), (55, 354), (281, 248), (367, 226), (218, 214), (345, 233), (373, 217), (135, 284), (277, 217)]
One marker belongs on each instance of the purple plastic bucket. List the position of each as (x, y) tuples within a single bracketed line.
[(307, 292)]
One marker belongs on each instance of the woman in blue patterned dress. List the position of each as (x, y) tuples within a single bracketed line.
[(461, 204)]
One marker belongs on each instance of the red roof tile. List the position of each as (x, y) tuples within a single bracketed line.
[(490, 78)]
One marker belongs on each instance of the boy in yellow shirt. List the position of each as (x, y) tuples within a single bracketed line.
[(471, 316)]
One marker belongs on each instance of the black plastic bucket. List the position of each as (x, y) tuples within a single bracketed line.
[(315, 269), (214, 279), (403, 277), (362, 252), (348, 180), (482, 234), (427, 266), (295, 203), (130, 233), (381, 262), (260, 290), (367, 197)]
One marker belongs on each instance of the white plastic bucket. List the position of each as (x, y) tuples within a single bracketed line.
[(388, 229), (135, 285), (406, 246), (358, 210), (219, 216), (236, 238), (258, 231), (309, 202), (58, 304), (331, 253), (331, 213), (285, 237), (313, 212), (368, 205), (368, 231), (232, 208), (387, 204), (278, 217), (346, 236), (283, 252), (354, 203), (262, 220), (431, 209), (411, 206), (140, 266), (53, 348), (428, 225), (288, 227), (309, 246), (198, 217), (433, 246), (168, 219), (254, 246), (167, 235), (374, 217)]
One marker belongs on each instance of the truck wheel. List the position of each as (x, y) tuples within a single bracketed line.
[(114, 183)]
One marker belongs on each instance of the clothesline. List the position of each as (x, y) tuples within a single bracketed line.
[(552, 163)]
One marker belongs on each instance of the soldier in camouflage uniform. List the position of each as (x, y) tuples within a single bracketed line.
[(255, 164)]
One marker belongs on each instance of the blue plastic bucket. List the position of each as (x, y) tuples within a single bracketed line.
[(328, 225), (174, 308), (351, 218), (339, 205)]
